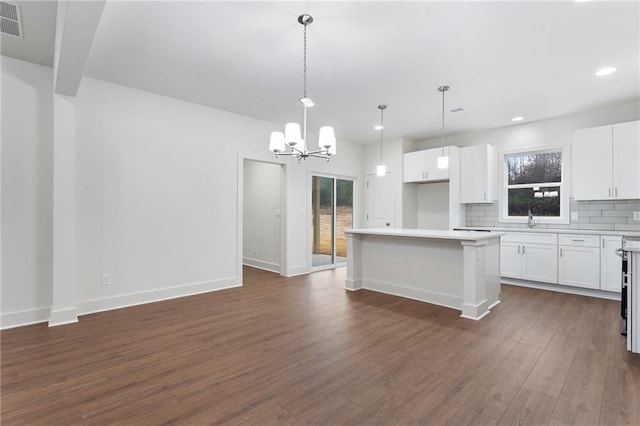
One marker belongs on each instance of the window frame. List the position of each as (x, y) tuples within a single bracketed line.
[(565, 187)]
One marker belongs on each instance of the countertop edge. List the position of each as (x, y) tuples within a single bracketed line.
[(427, 233), (552, 231)]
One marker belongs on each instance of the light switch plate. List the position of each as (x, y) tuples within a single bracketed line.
[(636, 215), (574, 215)]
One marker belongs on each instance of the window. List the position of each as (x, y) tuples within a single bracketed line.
[(535, 182)]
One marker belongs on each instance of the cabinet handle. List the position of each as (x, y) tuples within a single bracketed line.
[(616, 192), (485, 196), (426, 174), (523, 249), (560, 251), (581, 241), (518, 248), (603, 243), (609, 192)]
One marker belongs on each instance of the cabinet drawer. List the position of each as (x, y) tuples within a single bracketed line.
[(578, 240), (529, 237)]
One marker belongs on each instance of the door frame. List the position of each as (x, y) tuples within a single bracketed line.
[(333, 176), (240, 214)]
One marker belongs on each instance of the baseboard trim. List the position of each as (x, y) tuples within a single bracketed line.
[(63, 316), (434, 298), (353, 285), (122, 301), (22, 318), (259, 264), (297, 270), (562, 289)]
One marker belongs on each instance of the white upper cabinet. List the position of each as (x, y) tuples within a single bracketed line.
[(626, 160), (606, 162), (422, 166), (477, 174)]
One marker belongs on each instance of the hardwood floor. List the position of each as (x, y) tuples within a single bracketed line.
[(303, 351)]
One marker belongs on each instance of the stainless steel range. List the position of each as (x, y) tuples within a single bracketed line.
[(630, 305)]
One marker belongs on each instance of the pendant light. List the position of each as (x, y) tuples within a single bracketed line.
[(381, 169), (443, 160), (292, 136)]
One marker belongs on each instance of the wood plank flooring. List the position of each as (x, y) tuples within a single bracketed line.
[(303, 351)]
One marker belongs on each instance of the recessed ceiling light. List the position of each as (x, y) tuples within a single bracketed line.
[(378, 127), (517, 119), (605, 71)]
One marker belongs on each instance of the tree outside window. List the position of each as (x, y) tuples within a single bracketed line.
[(534, 183)]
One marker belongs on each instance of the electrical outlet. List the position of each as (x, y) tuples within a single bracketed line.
[(106, 279), (636, 215)]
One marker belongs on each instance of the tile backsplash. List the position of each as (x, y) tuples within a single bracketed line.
[(592, 215)]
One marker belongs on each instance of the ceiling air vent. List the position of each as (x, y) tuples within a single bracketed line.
[(10, 19)]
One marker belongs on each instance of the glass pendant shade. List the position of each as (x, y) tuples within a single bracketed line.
[(292, 134), (326, 138), (443, 162), (381, 170), (276, 143)]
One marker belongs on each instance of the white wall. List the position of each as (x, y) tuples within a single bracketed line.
[(158, 196), (543, 132), (158, 187), (433, 206), (27, 145), (262, 211)]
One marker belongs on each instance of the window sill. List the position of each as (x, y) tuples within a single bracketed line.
[(536, 219)]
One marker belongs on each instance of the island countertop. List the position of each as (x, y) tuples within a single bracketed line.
[(427, 233)]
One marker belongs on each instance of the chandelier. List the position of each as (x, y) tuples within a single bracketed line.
[(292, 136)]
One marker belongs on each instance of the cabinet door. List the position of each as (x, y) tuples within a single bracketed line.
[(610, 264), (510, 260), (415, 166), (592, 164), (579, 266), (433, 172), (540, 262), (626, 160), (477, 174)]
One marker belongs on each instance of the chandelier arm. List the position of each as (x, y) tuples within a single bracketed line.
[(325, 156), (296, 151)]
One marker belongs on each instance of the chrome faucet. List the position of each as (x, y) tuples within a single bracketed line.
[(530, 223)]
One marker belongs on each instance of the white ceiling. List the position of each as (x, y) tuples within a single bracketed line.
[(501, 59)]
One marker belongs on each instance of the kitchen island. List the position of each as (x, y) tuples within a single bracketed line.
[(456, 269)]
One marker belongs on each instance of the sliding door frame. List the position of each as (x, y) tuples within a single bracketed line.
[(335, 178)]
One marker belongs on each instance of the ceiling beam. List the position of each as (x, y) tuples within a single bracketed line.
[(76, 25)]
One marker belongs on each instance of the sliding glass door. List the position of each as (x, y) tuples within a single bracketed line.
[(332, 213)]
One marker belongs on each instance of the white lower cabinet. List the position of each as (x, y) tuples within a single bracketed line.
[(529, 256), (579, 260), (610, 263), (576, 260)]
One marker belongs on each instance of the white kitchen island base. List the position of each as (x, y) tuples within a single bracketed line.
[(456, 269)]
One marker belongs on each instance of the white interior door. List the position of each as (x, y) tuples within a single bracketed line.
[(379, 201)]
